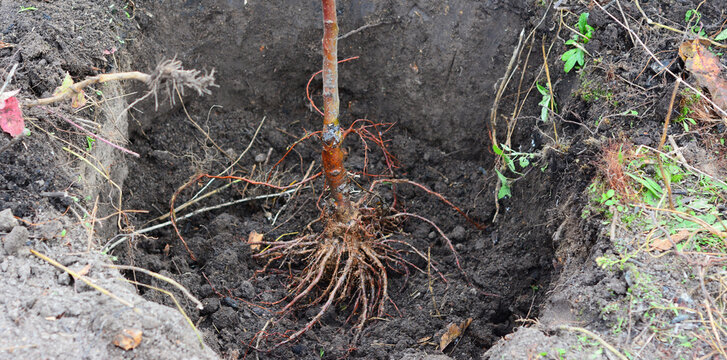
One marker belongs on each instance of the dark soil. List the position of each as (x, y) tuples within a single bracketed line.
[(429, 67)]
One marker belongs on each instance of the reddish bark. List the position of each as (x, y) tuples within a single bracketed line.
[(332, 135)]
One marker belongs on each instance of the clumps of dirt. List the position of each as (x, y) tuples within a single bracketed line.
[(43, 198)]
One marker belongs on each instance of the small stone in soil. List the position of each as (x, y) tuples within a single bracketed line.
[(298, 349), (458, 234), (211, 305), (50, 230), (228, 301), (260, 158), (260, 312), (14, 241), (64, 279), (7, 221), (245, 290), (205, 291)]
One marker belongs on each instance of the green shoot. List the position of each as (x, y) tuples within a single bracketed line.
[(545, 102), (577, 55), (89, 143)]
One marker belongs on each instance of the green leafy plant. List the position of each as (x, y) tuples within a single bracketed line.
[(512, 160), (694, 16), (721, 36), (546, 101), (577, 55), (511, 157), (89, 143), (689, 100), (505, 190)]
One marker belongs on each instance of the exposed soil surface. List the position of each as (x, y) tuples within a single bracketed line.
[(426, 70)]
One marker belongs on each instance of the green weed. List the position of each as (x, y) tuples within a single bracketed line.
[(694, 16), (577, 55), (512, 160), (546, 102)]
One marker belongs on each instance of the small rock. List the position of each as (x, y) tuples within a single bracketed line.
[(679, 318), (7, 221), (432, 235), (4, 265), (458, 234), (69, 260), (259, 158), (211, 305), (480, 244), (14, 241), (50, 229), (245, 290), (260, 312), (64, 279), (24, 272), (228, 301), (685, 300), (205, 291)]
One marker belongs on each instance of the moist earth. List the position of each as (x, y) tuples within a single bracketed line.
[(427, 71)]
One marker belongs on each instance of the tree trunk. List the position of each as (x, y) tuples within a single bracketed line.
[(335, 173)]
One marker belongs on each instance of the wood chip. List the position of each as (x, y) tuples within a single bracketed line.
[(453, 331), (254, 240), (664, 244), (128, 339)]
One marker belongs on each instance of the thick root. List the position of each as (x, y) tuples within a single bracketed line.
[(348, 260)]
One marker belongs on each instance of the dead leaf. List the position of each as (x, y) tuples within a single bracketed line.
[(78, 99), (11, 118), (706, 68), (664, 244), (128, 339), (424, 340), (254, 240), (453, 331)]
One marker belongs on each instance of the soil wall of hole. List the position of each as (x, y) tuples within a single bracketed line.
[(430, 67)]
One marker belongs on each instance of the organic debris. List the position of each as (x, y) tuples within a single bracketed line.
[(453, 332), (706, 68), (11, 118), (78, 96), (666, 243), (128, 339), (254, 240)]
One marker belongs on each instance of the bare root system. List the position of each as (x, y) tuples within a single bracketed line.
[(347, 261)]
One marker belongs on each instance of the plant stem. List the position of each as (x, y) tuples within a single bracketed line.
[(335, 173), (77, 87)]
